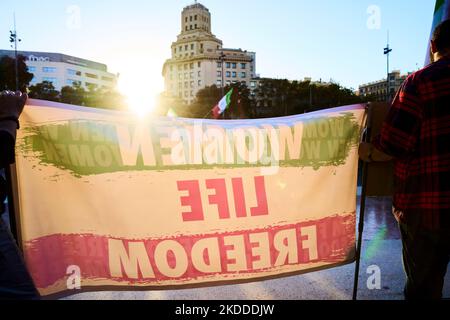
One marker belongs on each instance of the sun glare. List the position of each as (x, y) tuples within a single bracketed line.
[(140, 91)]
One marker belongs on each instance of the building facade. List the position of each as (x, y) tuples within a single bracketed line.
[(378, 89), (63, 70), (199, 59)]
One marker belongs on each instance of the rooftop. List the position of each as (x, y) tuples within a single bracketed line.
[(196, 5)]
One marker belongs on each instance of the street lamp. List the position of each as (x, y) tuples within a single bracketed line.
[(13, 40), (387, 51)]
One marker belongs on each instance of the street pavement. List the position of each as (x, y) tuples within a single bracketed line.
[(381, 248)]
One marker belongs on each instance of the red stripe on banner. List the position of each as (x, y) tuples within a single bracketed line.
[(49, 257)]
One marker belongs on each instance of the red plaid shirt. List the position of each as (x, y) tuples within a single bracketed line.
[(417, 134)]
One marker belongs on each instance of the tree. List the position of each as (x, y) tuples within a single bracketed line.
[(44, 91), (8, 73), (74, 94)]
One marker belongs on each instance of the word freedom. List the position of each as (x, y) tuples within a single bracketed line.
[(87, 147)]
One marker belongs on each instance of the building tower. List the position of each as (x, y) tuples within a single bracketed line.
[(197, 58)]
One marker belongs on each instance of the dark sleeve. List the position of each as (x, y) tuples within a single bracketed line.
[(400, 131), (7, 145)]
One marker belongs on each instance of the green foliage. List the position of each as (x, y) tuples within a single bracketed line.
[(92, 97), (271, 98), (8, 73), (44, 91)]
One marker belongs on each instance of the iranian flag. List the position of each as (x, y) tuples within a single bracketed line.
[(441, 13), (223, 104)]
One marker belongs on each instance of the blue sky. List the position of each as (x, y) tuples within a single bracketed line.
[(293, 39)]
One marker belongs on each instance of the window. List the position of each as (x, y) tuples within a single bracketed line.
[(219, 83), (199, 83), (49, 69), (192, 84), (228, 74), (186, 94), (219, 74), (192, 93), (185, 67), (180, 85), (190, 18), (234, 74), (91, 75), (71, 82), (195, 17), (186, 19), (219, 64), (253, 84), (191, 66), (186, 47), (243, 65), (233, 65), (192, 46), (185, 75), (31, 69), (180, 76), (179, 67), (192, 75), (185, 84), (50, 79), (228, 65), (181, 48), (174, 50), (195, 26), (190, 27), (199, 74), (243, 74), (199, 64), (91, 85)]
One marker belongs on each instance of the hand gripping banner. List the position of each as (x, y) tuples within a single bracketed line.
[(113, 201)]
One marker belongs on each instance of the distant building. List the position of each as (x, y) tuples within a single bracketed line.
[(378, 89), (63, 70), (199, 59)]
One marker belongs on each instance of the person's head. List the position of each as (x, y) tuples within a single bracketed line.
[(440, 41)]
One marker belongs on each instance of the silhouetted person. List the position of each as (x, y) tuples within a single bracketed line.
[(416, 134), (15, 281)]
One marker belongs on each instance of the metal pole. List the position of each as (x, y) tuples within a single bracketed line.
[(222, 56), (362, 206), (387, 51), (11, 204), (15, 53)]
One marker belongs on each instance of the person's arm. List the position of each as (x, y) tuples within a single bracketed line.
[(11, 106)]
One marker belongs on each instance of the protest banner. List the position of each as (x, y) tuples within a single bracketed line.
[(112, 201)]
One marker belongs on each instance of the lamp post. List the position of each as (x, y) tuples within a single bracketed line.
[(387, 51), (13, 40)]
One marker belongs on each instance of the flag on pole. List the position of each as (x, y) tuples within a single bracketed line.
[(223, 104), (441, 13)]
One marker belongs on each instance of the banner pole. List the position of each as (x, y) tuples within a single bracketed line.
[(362, 206), (11, 181)]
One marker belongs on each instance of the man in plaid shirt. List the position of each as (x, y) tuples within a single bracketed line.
[(416, 134)]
